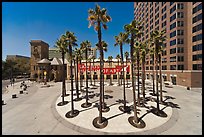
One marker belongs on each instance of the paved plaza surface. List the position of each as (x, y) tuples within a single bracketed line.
[(36, 111)]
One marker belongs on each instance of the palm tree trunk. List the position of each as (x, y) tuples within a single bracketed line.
[(118, 75), (77, 79), (86, 78), (160, 75), (126, 74), (156, 63), (153, 76), (138, 80), (143, 78), (103, 99), (124, 97), (63, 79), (133, 81), (90, 72), (94, 74), (80, 77), (72, 102), (101, 71)]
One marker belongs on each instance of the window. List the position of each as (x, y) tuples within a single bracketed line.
[(164, 60), (179, 14), (173, 59), (180, 58), (197, 47), (163, 3), (173, 42), (147, 68), (164, 67), (172, 34), (164, 9), (173, 9), (197, 57), (197, 28), (147, 36), (197, 66), (151, 27), (151, 21), (157, 22), (157, 16), (180, 5), (197, 18), (173, 25), (164, 16), (180, 32), (173, 17), (197, 37), (151, 67), (197, 8), (156, 10), (163, 24), (180, 67), (180, 41), (146, 30), (172, 67), (180, 23), (180, 50), (164, 53), (164, 45), (171, 3), (157, 28), (172, 51)]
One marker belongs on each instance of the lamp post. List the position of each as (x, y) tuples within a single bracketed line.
[(45, 73)]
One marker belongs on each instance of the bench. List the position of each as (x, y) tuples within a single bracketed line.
[(21, 91), (14, 96)]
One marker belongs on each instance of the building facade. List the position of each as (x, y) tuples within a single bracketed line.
[(14, 57), (182, 55)]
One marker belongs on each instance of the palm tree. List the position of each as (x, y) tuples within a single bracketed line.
[(121, 39), (94, 69), (160, 74), (152, 52), (86, 45), (144, 52), (126, 57), (97, 17), (110, 64), (118, 58), (104, 46), (137, 49), (80, 52), (90, 68), (158, 40), (134, 30), (71, 40), (62, 47), (77, 54)]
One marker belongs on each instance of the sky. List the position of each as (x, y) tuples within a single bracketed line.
[(47, 21)]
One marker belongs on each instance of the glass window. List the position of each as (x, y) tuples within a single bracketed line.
[(197, 47), (180, 50), (197, 28), (173, 9), (173, 59), (197, 66), (179, 14), (163, 3), (180, 41), (173, 42), (173, 25), (164, 16), (171, 3), (172, 51), (180, 67), (164, 9), (180, 58), (173, 17), (180, 5), (172, 34), (157, 22), (164, 24), (180, 23), (197, 18), (197, 57), (197, 8), (157, 16), (172, 67), (180, 32), (197, 38), (164, 67)]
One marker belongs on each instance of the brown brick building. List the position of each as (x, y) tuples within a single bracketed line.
[(182, 56)]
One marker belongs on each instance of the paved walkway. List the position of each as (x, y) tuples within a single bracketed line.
[(37, 113)]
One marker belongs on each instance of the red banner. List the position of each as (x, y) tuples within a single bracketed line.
[(83, 68)]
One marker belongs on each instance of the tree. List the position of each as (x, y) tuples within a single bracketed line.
[(121, 39), (157, 38), (110, 64), (61, 45), (85, 46), (134, 31), (144, 51), (126, 57), (118, 58), (97, 17), (71, 40), (94, 71)]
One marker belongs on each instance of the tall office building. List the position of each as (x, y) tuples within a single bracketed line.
[(182, 55)]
